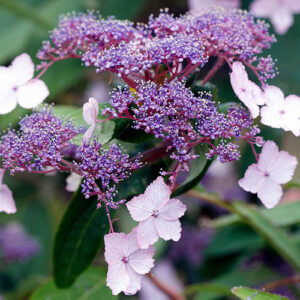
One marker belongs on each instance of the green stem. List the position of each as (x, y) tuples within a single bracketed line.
[(19, 8)]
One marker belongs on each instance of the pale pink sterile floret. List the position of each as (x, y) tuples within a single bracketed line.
[(246, 90), (273, 169), (157, 214), (7, 203), (17, 85), (73, 182), (281, 112), (197, 6), (280, 12), (90, 113), (127, 263)]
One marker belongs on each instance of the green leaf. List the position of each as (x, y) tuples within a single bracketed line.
[(78, 240), (245, 293), (89, 286), (276, 237), (132, 135), (198, 168), (281, 215)]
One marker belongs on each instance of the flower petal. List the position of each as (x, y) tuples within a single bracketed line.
[(90, 111), (253, 179), (141, 260), (146, 233), (173, 210), (8, 101), (139, 208), (268, 156), (135, 281), (22, 69), (283, 168), (282, 19), (7, 203), (88, 134), (32, 93), (168, 230), (130, 244), (117, 278), (270, 116), (273, 95), (269, 193), (113, 247), (73, 182)]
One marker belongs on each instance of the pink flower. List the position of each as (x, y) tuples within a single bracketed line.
[(157, 214), (126, 262), (264, 178), (197, 6), (281, 112), (73, 182), (90, 113), (17, 85), (280, 12), (247, 91), (7, 203)]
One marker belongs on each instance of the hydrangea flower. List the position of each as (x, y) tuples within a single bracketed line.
[(18, 86), (272, 169), (281, 112), (127, 263), (280, 12), (246, 90), (90, 113), (157, 214), (199, 5), (73, 182), (7, 203)]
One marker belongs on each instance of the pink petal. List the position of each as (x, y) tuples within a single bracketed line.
[(141, 261), (8, 101), (238, 77), (158, 192), (283, 168), (173, 210), (256, 93), (168, 230), (139, 208), (114, 243), (90, 111), (32, 93), (130, 244), (7, 203), (253, 179), (117, 278), (2, 172), (88, 134), (268, 156), (274, 96), (270, 116), (135, 281), (269, 193), (73, 182), (22, 69), (146, 233), (261, 8), (282, 19)]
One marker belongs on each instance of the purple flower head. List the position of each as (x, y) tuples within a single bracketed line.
[(106, 167), (38, 144), (15, 244)]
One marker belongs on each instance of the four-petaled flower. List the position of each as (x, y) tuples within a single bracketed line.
[(127, 263), (17, 85), (281, 112), (264, 178), (90, 113), (157, 214), (7, 203), (246, 90)]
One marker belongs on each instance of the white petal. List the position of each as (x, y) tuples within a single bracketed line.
[(135, 281), (283, 168), (32, 93), (8, 101), (270, 116), (146, 233), (141, 260), (269, 193), (256, 93), (267, 156), (274, 96), (139, 208), (7, 203), (173, 210), (90, 111), (253, 179), (88, 134), (114, 243), (22, 69), (117, 278), (168, 230), (238, 77), (282, 19), (130, 244), (2, 172), (261, 8), (73, 182)]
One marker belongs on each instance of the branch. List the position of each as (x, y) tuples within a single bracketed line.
[(281, 282)]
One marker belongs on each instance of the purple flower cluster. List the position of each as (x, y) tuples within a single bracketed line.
[(38, 144), (173, 113), (106, 167), (15, 244)]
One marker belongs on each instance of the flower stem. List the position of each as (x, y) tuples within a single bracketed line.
[(165, 289), (281, 282), (214, 69)]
